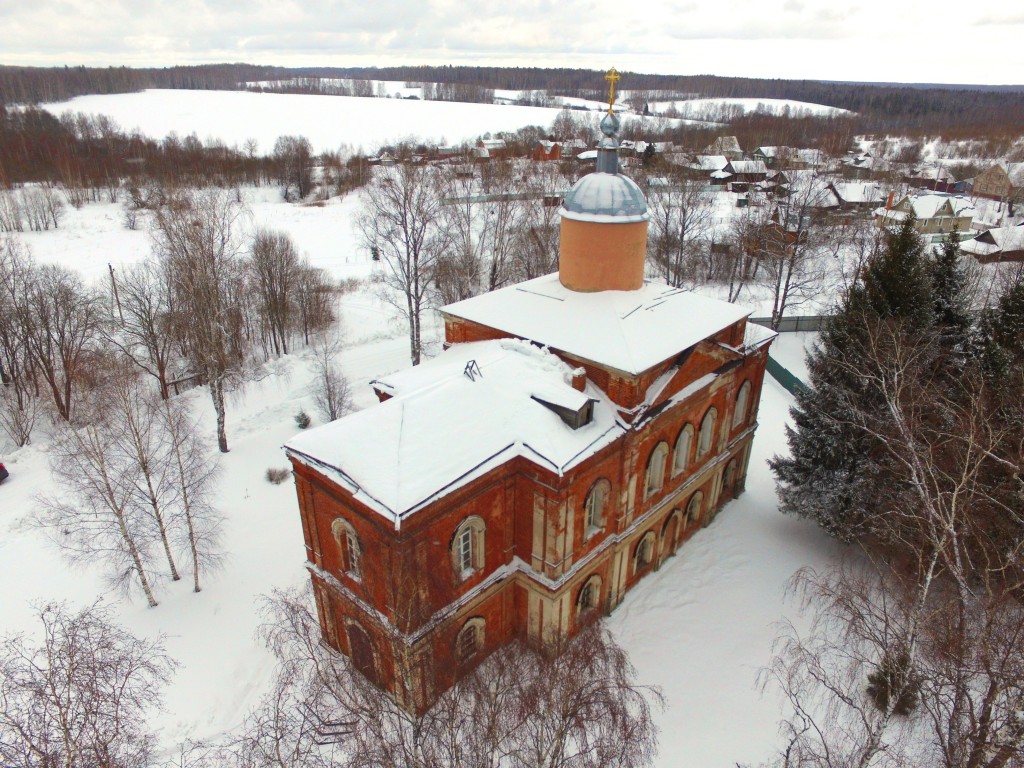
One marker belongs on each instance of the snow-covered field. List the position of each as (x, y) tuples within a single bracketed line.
[(329, 122), (701, 627)]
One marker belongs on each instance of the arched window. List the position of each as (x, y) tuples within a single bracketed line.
[(348, 546), (739, 416), (670, 532), (729, 478), (681, 455), (594, 507), (468, 547), (644, 552), (707, 433), (656, 468), (361, 650), (470, 640), (589, 596), (693, 509)]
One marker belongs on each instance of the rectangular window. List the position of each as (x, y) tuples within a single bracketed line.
[(465, 549)]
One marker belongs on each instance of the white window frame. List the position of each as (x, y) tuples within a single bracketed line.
[(594, 507), (470, 640), (654, 479), (467, 547), (706, 440), (739, 416), (350, 551), (681, 451)]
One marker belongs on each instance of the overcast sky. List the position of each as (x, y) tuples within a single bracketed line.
[(907, 41)]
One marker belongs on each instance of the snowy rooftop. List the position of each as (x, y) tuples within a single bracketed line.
[(748, 166), (630, 331), (859, 192), (710, 162), (930, 206), (444, 427), (995, 239)]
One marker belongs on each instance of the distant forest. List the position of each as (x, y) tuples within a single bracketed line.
[(919, 109)]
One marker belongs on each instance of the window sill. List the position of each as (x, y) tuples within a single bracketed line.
[(592, 531)]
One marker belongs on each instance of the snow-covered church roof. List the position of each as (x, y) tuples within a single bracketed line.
[(630, 331), (454, 418)]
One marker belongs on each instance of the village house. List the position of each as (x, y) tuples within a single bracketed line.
[(864, 166), (491, 149), (858, 196), (996, 244), (703, 166), (746, 171), (1003, 181), (933, 213), (935, 177), (546, 150), (579, 428), (782, 157), (725, 145)]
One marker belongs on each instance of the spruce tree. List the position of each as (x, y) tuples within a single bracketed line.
[(950, 286), (831, 476), (1002, 333), (951, 299)]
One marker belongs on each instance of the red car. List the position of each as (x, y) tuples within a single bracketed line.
[(3, 473)]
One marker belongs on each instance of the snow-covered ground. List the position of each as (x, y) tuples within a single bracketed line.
[(696, 108), (329, 122), (701, 627)]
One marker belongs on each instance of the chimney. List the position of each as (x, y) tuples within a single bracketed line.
[(579, 379), (888, 202)]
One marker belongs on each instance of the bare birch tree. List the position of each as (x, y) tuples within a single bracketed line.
[(193, 473), (196, 241), (82, 696), (681, 211), (535, 235), (402, 221), (59, 321), (137, 435), (933, 627), (98, 519), (147, 331), (274, 264), (805, 248), (330, 388), (576, 704)]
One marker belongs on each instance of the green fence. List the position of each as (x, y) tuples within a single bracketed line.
[(782, 375), (794, 324)]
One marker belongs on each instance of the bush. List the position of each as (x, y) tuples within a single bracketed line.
[(302, 419), (278, 476)]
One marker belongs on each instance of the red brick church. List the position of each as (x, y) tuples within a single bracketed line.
[(578, 429)]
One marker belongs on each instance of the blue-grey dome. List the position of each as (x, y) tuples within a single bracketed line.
[(608, 197)]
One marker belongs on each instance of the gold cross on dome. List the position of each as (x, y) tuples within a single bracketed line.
[(612, 77)]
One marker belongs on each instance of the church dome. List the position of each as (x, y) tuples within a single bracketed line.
[(607, 198)]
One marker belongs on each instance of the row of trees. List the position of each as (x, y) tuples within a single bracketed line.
[(206, 309), (84, 696), (442, 236), (91, 158), (573, 702), (908, 443)]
